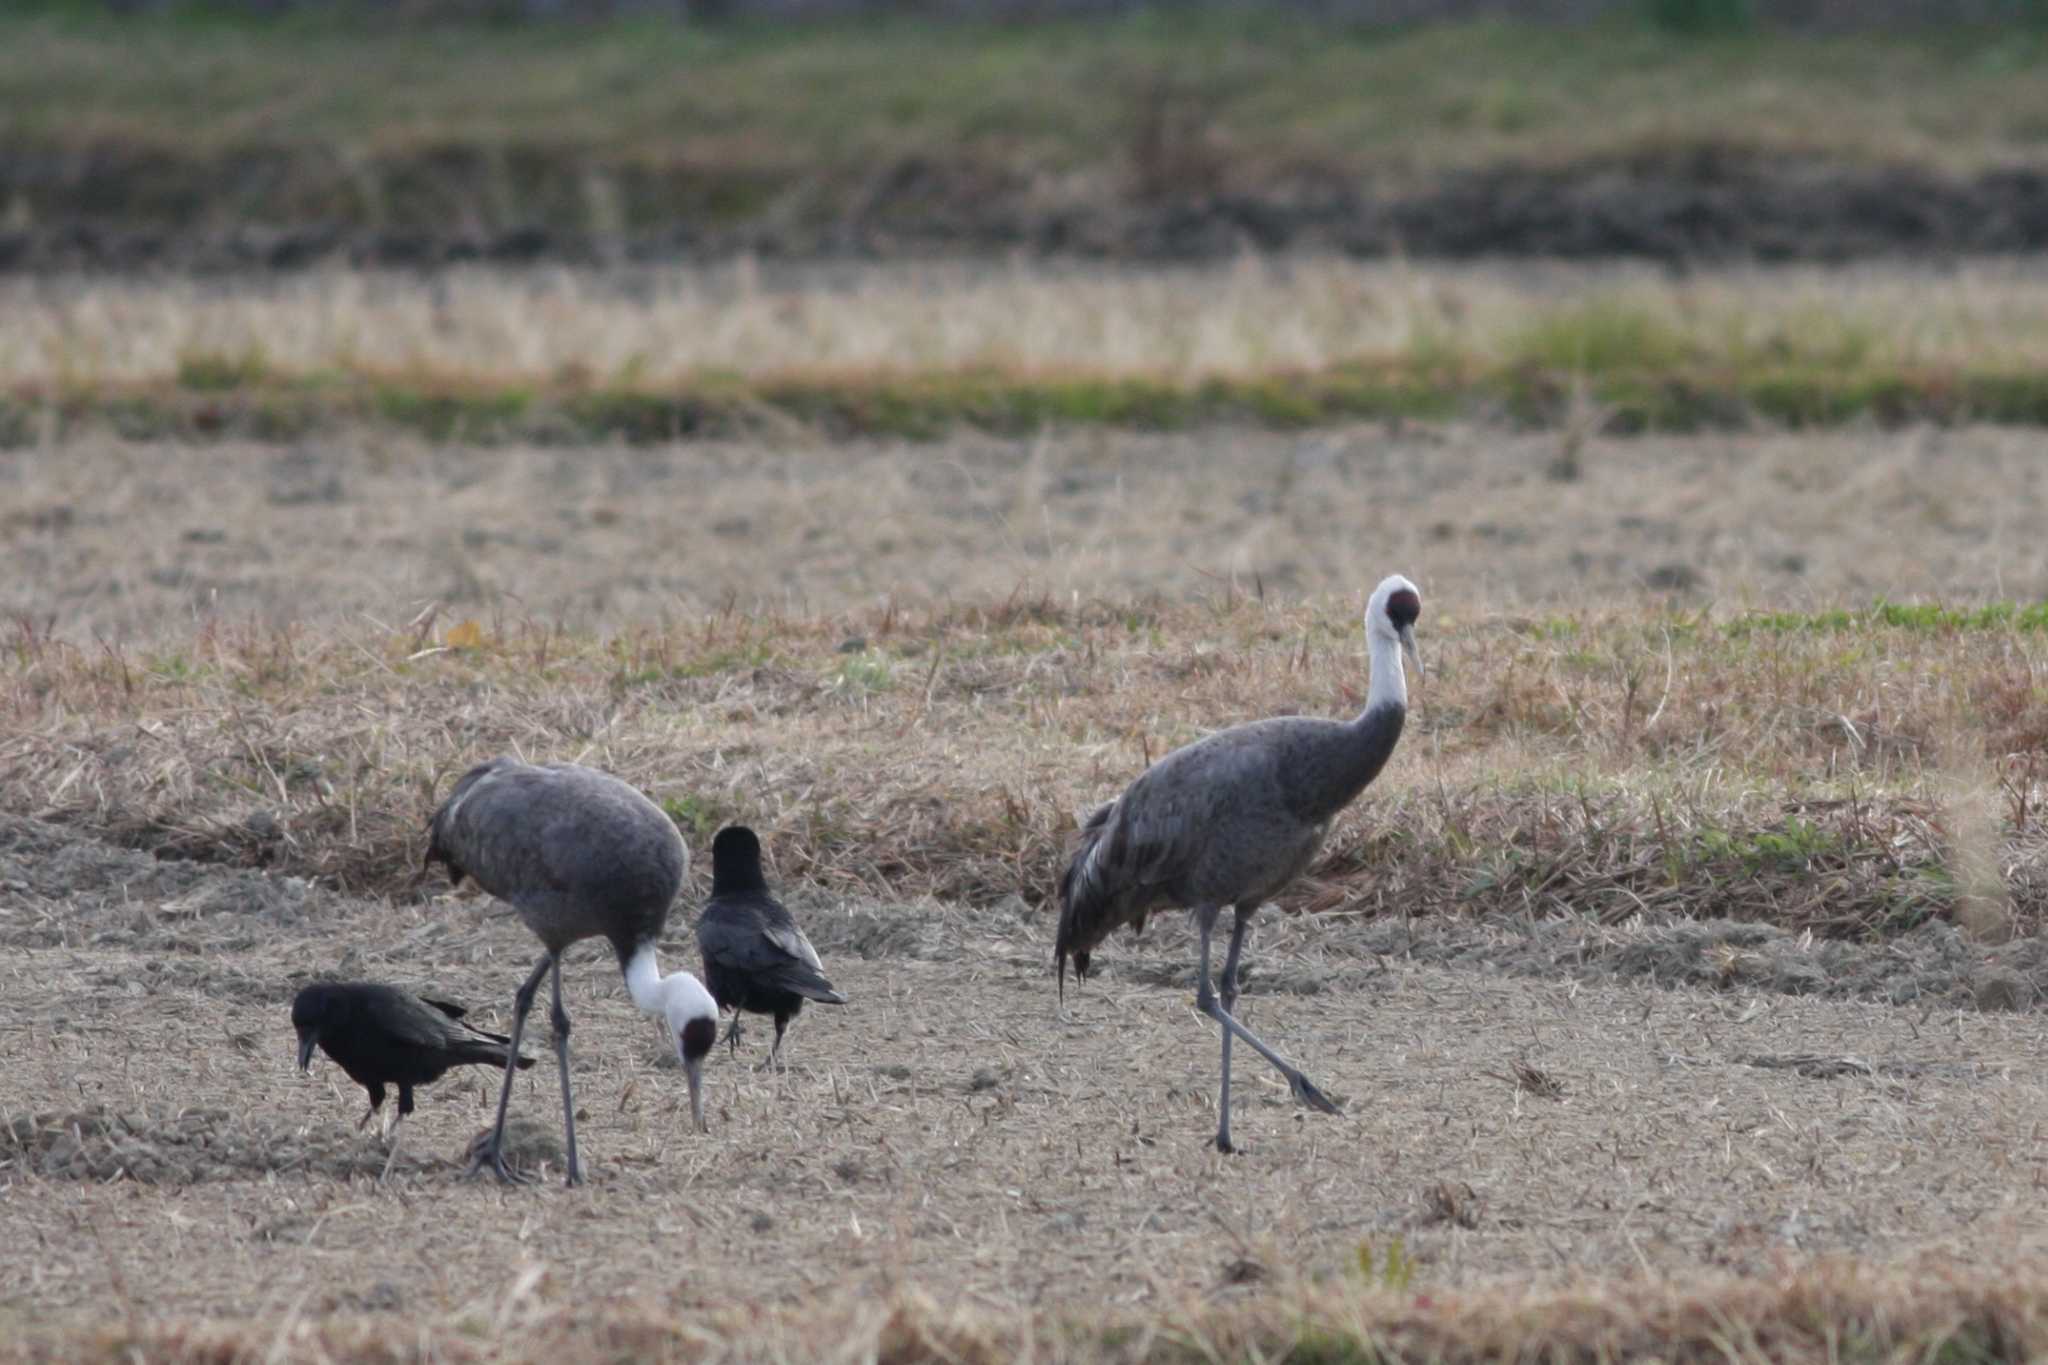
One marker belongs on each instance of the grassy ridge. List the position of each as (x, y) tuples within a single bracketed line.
[(214, 404), (1859, 775)]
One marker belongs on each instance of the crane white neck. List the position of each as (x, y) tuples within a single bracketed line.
[(1389, 684), (676, 996)]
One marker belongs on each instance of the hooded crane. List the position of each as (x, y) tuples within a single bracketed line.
[(381, 1036), (579, 854), (755, 958), (1232, 819)]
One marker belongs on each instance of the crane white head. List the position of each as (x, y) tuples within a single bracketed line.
[(1390, 616), (688, 1012)]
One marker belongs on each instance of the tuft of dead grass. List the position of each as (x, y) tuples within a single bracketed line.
[(1921, 1311)]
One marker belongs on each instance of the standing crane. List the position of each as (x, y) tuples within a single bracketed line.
[(1231, 819), (579, 854)]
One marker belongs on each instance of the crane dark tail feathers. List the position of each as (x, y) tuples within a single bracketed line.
[(1085, 902)]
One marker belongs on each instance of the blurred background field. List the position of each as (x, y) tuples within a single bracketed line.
[(1671, 129), (895, 424)]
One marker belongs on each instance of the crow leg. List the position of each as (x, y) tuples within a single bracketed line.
[(395, 1138), (732, 1034), (1205, 1000), (491, 1151), (775, 1053), (559, 1019)]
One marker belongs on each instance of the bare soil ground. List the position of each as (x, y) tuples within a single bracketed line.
[(1556, 1085), (950, 1128), (136, 542)]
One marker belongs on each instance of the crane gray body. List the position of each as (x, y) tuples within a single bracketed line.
[(1231, 819), (577, 852)]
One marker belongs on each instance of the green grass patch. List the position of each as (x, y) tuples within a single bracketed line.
[(213, 371), (2024, 616), (1602, 337)]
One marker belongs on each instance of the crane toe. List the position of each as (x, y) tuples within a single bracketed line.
[(487, 1154), (1305, 1090)]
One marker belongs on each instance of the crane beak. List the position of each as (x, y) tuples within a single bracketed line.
[(1414, 654), (693, 1071), (306, 1041)]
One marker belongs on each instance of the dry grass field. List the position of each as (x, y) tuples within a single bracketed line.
[(1680, 973), (767, 320), (496, 357), (141, 545)]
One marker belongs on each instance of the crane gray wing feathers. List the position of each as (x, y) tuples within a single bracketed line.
[(524, 831), (1150, 846), (1130, 852)]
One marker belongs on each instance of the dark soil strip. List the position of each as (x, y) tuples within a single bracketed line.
[(110, 206), (930, 406)]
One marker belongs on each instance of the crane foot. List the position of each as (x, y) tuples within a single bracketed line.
[(1305, 1090), (488, 1152)]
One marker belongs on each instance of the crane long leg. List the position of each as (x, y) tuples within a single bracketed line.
[(1205, 1000), (1239, 923), (1205, 921), (491, 1151), (559, 1018)]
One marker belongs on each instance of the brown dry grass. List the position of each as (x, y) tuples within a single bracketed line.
[(1925, 1312), (940, 740), (141, 543), (660, 327)]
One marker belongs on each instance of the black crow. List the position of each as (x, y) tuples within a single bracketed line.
[(381, 1036), (755, 958)]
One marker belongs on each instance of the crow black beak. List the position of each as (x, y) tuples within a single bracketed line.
[(306, 1041)]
